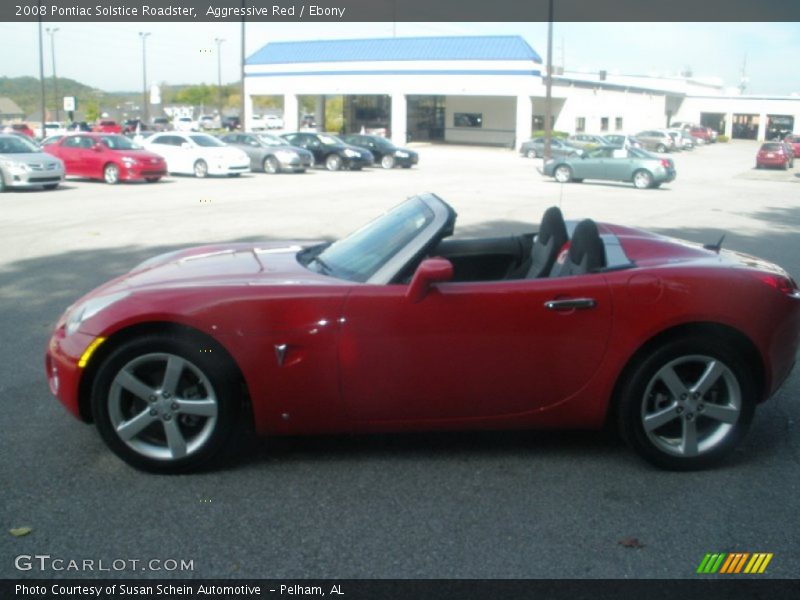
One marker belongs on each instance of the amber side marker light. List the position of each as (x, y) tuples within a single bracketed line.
[(87, 354)]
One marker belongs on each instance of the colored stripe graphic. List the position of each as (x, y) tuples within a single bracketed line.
[(734, 563)]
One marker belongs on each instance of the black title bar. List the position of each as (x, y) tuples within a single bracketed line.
[(399, 10)]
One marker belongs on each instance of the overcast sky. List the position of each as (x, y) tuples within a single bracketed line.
[(108, 55)]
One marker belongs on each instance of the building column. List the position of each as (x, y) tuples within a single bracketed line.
[(290, 110), (319, 112), (247, 117), (762, 127), (399, 119), (729, 125), (524, 121)]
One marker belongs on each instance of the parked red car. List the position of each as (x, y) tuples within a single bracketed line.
[(794, 142), (20, 128), (107, 126), (398, 328), (701, 133), (774, 154), (112, 158)]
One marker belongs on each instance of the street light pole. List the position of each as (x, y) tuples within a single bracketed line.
[(52, 34), (219, 41), (548, 101), (41, 68), (143, 35)]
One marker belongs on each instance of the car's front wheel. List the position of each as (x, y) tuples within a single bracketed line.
[(165, 405), (111, 174), (687, 404), (271, 165), (387, 162), (642, 179), (562, 174)]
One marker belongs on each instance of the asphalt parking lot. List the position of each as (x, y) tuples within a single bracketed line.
[(494, 505)]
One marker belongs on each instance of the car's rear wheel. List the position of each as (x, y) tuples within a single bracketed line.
[(687, 404), (163, 404), (333, 162), (642, 179), (387, 162), (661, 148), (271, 165), (531, 154), (200, 169), (562, 174), (111, 174)]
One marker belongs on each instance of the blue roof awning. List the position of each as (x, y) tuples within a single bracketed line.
[(506, 47)]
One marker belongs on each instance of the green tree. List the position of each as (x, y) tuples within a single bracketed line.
[(91, 110)]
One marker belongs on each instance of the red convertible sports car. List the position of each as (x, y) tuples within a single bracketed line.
[(397, 327)]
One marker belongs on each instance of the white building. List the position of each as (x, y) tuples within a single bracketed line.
[(486, 90)]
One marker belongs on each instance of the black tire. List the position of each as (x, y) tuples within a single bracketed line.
[(271, 165), (111, 174), (642, 179), (661, 148), (49, 186), (200, 169), (645, 396), (388, 162), (562, 174), (333, 162), (205, 438), (531, 154)]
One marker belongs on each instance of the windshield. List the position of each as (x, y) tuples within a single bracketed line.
[(16, 145), (359, 256), (329, 140), (117, 142), (206, 141), (270, 140)]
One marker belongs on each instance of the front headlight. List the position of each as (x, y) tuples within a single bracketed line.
[(89, 309), (401, 154), (351, 153), (16, 168), (128, 161), (285, 155)]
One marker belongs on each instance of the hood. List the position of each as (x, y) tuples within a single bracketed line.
[(32, 158), (266, 263)]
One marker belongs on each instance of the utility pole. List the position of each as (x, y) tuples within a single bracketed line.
[(548, 101), (219, 41), (52, 34), (41, 67), (241, 76), (145, 105)]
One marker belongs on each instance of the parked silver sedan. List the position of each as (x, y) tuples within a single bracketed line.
[(642, 168), (24, 165), (269, 153)]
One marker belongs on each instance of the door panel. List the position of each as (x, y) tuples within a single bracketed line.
[(470, 350)]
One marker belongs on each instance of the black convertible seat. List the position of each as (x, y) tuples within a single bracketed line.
[(586, 251), (550, 239)]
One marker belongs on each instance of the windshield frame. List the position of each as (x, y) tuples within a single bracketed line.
[(440, 224)]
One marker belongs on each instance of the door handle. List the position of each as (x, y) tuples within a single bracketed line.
[(570, 304)]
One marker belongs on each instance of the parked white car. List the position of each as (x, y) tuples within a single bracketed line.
[(185, 124), (197, 154), (273, 122), (207, 122)]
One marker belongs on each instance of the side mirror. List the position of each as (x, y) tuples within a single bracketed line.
[(429, 272)]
